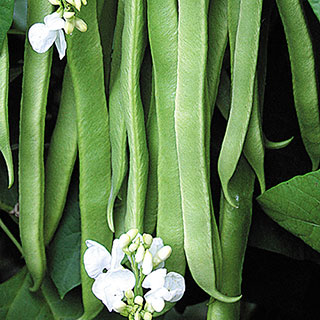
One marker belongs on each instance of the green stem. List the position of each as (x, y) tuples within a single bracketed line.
[(11, 236)]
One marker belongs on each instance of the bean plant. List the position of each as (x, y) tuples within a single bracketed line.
[(133, 136)]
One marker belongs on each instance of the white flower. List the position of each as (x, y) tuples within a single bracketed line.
[(43, 35), (109, 286), (164, 287)]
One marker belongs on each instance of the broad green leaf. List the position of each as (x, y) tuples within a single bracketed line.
[(18, 302), (315, 5), (268, 235), (6, 14), (294, 205), (64, 251)]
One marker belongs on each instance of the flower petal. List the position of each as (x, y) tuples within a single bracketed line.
[(123, 279), (175, 284), (117, 254), (104, 290), (61, 44), (96, 258), (155, 298), (155, 279), (41, 38), (54, 21), (156, 245)]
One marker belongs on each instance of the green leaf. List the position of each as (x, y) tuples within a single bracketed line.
[(268, 235), (315, 5), (6, 14), (64, 251), (17, 300), (294, 205)]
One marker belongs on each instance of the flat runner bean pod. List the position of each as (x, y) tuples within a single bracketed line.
[(151, 208), (4, 123), (134, 42), (190, 140), (234, 230), (218, 38), (233, 19), (243, 77), (107, 19), (304, 80), (163, 39), (61, 158), (93, 143), (118, 134), (36, 75)]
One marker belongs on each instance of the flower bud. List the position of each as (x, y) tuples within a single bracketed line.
[(69, 26), (129, 294), (124, 240), (132, 233), (119, 306), (137, 316), (147, 239), (161, 255), (84, 2), (164, 253), (80, 25), (55, 2), (77, 4), (68, 14), (148, 307), (140, 254), (147, 263), (133, 247), (147, 316), (138, 300)]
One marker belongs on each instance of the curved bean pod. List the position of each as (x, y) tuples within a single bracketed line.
[(93, 143), (218, 38), (4, 124), (234, 230), (134, 38), (118, 134), (61, 158), (190, 141), (243, 77), (304, 80), (36, 75), (163, 39)]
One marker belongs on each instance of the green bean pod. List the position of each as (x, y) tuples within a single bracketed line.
[(234, 230), (163, 39), (85, 60), (233, 20), (191, 142), (243, 77), (107, 15), (118, 134), (218, 38), (151, 208), (61, 158), (304, 81), (134, 38), (4, 123), (36, 75)]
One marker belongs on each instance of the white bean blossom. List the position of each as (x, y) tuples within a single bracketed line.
[(164, 287), (111, 279), (43, 35)]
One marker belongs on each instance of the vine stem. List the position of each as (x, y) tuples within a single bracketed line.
[(11, 236)]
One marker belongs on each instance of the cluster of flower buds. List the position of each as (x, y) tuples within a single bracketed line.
[(68, 10), (63, 20), (123, 290)]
